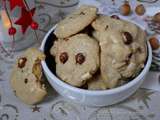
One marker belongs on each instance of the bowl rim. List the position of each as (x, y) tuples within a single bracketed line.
[(95, 92)]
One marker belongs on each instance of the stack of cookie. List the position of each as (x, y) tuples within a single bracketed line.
[(97, 51)]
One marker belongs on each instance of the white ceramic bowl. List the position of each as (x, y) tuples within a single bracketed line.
[(95, 98)]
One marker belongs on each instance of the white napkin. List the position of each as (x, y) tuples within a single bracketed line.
[(152, 79)]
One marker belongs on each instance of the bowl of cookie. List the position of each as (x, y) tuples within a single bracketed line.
[(94, 59)]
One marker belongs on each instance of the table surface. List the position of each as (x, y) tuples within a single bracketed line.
[(143, 105)]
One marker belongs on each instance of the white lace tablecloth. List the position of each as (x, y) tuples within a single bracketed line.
[(143, 105)]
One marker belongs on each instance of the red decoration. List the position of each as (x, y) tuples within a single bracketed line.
[(34, 25), (12, 31), (25, 19), (14, 3)]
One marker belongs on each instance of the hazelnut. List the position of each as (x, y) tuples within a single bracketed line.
[(80, 58), (127, 38), (22, 62), (154, 43), (115, 17), (125, 9), (156, 17), (140, 10), (63, 57)]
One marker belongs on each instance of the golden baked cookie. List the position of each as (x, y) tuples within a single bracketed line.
[(27, 77), (76, 21), (77, 58), (122, 55)]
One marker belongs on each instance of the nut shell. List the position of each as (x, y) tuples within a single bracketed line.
[(140, 10), (156, 17), (125, 9), (154, 43)]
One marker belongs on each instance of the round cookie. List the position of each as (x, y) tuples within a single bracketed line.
[(122, 55), (76, 22), (26, 78), (77, 58)]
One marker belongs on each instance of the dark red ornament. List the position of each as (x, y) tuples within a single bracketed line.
[(14, 3), (25, 19), (12, 31), (34, 25)]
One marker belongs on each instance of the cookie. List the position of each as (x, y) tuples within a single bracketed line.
[(105, 22), (96, 83), (76, 22), (122, 55), (27, 78), (77, 58)]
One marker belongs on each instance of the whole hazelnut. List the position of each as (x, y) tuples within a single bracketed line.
[(125, 9), (156, 17), (140, 10), (154, 43)]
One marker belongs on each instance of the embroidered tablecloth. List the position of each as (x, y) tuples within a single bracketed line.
[(143, 105)]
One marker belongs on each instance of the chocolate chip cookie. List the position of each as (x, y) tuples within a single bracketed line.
[(27, 77), (122, 54), (76, 21), (77, 58)]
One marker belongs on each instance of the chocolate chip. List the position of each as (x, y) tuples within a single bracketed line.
[(25, 80), (139, 50), (128, 58), (80, 58), (66, 39), (115, 17), (82, 13), (106, 27), (63, 57), (130, 55), (22, 62), (127, 38)]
